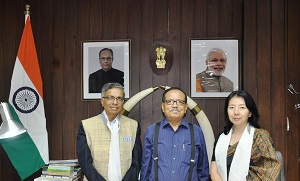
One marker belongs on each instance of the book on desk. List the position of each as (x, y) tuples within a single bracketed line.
[(61, 170)]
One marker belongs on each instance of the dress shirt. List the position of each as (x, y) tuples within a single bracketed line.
[(174, 153)]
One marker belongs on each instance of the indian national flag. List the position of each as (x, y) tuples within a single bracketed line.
[(28, 152)]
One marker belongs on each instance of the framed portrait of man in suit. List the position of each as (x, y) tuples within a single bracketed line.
[(103, 62), (214, 67)]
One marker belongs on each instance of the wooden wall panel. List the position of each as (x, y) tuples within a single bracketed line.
[(10, 37), (292, 77), (173, 37), (135, 31), (200, 19), (249, 60), (237, 19), (277, 80), (56, 144), (92, 12), (70, 71), (110, 20), (264, 63), (213, 16), (122, 20), (146, 107), (268, 41), (225, 10)]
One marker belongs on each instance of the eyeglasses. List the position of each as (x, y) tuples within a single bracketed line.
[(105, 58), (112, 99), (178, 102)]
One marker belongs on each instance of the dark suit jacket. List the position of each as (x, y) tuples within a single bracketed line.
[(100, 77)]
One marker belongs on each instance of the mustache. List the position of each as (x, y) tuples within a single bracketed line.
[(174, 109)]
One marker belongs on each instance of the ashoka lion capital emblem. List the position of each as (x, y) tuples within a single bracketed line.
[(160, 57)]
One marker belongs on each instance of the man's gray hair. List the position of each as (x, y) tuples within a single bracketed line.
[(111, 85), (215, 50)]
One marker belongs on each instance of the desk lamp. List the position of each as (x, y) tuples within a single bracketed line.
[(9, 127)]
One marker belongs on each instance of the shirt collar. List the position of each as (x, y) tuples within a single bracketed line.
[(183, 123), (105, 118)]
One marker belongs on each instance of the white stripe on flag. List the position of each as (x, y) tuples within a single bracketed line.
[(34, 122)]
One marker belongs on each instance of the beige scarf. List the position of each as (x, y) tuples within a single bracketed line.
[(241, 161)]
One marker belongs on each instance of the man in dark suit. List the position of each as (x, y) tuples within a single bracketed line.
[(106, 74)]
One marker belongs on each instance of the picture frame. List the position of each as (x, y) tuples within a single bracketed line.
[(91, 63), (203, 73)]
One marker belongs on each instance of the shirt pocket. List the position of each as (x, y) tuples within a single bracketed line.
[(186, 153)]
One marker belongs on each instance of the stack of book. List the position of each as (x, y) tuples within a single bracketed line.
[(61, 170)]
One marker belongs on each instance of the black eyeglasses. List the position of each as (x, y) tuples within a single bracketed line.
[(112, 99), (178, 102), (105, 58)]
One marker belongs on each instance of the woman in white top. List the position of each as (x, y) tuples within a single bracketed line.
[(243, 151)]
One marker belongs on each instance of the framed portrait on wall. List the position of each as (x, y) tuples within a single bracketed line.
[(214, 67), (102, 62)]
